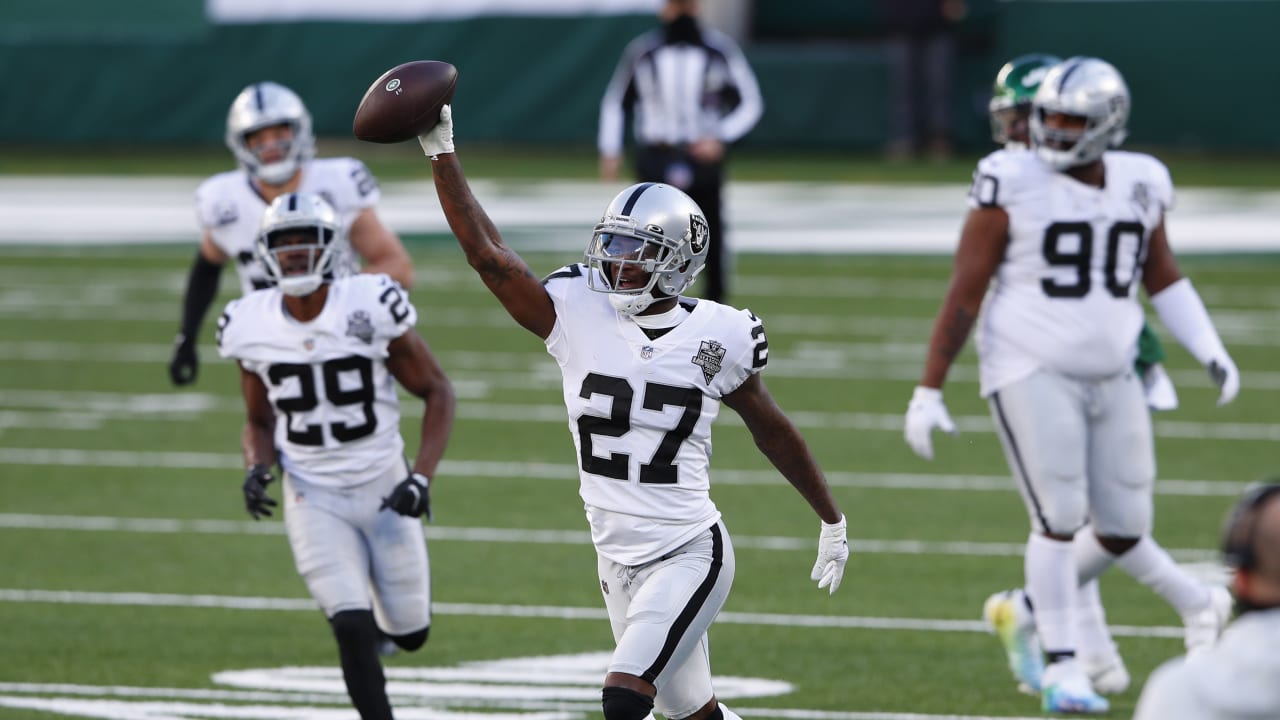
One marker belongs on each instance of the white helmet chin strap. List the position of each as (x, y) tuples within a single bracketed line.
[(299, 286), (629, 304)]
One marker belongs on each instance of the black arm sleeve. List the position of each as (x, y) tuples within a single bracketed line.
[(202, 287)]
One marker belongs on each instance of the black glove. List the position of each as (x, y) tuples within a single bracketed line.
[(182, 368), (256, 500), (410, 497)]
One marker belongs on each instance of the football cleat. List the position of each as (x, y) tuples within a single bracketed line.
[(1204, 626), (1073, 696), (1107, 673), (1008, 616)]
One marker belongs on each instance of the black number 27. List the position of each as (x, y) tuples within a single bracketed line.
[(661, 468), (307, 400), (1081, 258)]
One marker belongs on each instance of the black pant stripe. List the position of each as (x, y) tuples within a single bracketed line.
[(1021, 469), (691, 610)]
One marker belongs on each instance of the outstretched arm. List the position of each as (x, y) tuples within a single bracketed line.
[(503, 271)]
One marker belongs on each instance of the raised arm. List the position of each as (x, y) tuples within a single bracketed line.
[(502, 270)]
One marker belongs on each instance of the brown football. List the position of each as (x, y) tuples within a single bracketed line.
[(405, 102)]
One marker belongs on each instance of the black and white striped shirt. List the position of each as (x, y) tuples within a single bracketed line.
[(680, 92)]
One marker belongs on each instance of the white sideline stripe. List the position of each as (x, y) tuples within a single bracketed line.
[(552, 471), (88, 523), (231, 602)]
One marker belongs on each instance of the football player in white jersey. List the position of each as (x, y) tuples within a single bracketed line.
[(645, 371), (1063, 235), (1008, 612), (269, 133), (319, 359)]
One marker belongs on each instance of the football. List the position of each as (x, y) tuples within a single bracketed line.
[(405, 102)]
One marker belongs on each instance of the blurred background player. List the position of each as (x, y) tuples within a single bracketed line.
[(1067, 232), (645, 372), (1010, 111), (269, 133), (1008, 613), (691, 94), (1239, 677), (317, 356)]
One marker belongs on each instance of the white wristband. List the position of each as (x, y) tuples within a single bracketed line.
[(1182, 311)]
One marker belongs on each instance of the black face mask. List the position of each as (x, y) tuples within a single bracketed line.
[(683, 29)]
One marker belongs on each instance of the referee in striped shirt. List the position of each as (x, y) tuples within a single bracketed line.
[(691, 93)]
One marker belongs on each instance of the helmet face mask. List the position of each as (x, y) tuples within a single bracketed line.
[(651, 244), (1011, 93), (269, 105), (297, 242), (1090, 90)]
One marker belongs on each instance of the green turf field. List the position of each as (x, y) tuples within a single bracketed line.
[(133, 575)]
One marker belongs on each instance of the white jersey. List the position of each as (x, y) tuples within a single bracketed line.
[(229, 208), (1238, 678), (337, 413), (640, 412), (1065, 295)]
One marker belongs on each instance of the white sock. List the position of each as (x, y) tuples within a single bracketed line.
[(1091, 558), (1092, 635), (729, 714), (1051, 581), (1150, 565)]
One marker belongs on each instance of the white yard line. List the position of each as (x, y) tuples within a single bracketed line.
[(70, 457), (230, 602)]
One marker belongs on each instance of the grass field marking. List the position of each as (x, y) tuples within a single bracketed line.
[(89, 523), (553, 471), (71, 457), (552, 612)]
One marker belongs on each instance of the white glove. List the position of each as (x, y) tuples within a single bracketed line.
[(439, 139), (833, 553), (1223, 372), (924, 413)]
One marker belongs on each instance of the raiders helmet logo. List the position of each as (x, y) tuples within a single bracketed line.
[(700, 233)]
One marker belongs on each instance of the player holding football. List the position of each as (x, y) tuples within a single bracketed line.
[(1067, 233), (317, 356), (269, 132), (645, 372)]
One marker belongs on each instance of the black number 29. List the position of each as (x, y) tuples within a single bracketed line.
[(661, 468), (307, 399), (1081, 258)]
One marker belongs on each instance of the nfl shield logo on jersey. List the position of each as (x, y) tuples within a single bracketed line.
[(360, 326), (646, 352), (709, 358)]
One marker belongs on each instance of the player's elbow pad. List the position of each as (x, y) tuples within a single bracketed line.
[(1182, 311)]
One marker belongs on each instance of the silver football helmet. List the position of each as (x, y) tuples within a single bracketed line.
[(293, 223), (651, 243), (262, 105), (1084, 87)]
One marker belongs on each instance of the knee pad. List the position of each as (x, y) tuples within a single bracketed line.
[(413, 640), (625, 704)]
